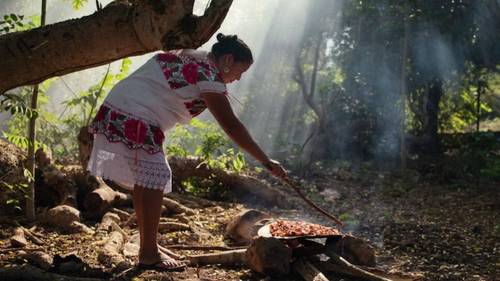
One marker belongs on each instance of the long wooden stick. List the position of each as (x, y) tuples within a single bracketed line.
[(319, 209)]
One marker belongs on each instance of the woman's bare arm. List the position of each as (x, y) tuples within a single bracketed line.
[(221, 109)]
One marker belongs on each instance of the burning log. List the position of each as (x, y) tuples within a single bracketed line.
[(340, 265), (269, 256), (308, 271), (353, 249)]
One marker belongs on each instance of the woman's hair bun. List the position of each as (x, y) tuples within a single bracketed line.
[(231, 44), (222, 38)]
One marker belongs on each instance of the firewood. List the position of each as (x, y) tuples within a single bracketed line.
[(107, 220), (231, 258), (353, 249), (60, 216), (340, 265), (172, 226), (103, 198), (31, 236), (18, 239), (110, 253), (124, 216), (176, 207), (308, 271), (78, 227)]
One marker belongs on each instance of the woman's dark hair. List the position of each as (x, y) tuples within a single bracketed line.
[(231, 44)]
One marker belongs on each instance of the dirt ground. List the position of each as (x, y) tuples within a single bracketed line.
[(428, 231)]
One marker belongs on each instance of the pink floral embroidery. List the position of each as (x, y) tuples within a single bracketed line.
[(120, 127)]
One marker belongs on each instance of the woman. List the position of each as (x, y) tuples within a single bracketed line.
[(129, 128)]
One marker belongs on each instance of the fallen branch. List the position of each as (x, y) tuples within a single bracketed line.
[(176, 207), (233, 257), (110, 254), (185, 168), (107, 220), (18, 239), (172, 226), (190, 200), (32, 236), (204, 247)]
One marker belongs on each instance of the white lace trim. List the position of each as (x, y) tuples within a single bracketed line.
[(115, 162)]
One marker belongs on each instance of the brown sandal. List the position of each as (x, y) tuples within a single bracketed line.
[(175, 265)]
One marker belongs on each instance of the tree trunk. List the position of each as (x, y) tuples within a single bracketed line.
[(184, 168), (119, 30), (435, 92)]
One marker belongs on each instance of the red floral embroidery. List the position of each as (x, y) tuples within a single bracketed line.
[(120, 127), (100, 114), (158, 136), (114, 115), (195, 107), (190, 72), (135, 130), (113, 130), (167, 72)]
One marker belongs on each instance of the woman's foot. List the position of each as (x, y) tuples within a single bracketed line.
[(161, 262), (167, 252)]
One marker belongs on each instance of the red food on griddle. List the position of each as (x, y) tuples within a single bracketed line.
[(284, 228)]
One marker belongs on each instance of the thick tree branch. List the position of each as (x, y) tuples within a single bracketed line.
[(119, 30)]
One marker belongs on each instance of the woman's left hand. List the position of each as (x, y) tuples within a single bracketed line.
[(276, 169)]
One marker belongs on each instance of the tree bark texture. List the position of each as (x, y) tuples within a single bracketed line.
[(119, 30)]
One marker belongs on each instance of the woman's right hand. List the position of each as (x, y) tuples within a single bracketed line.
[(276, 169)]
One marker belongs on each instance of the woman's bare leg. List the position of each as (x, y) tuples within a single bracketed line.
[(148, 219), (137, 199)]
